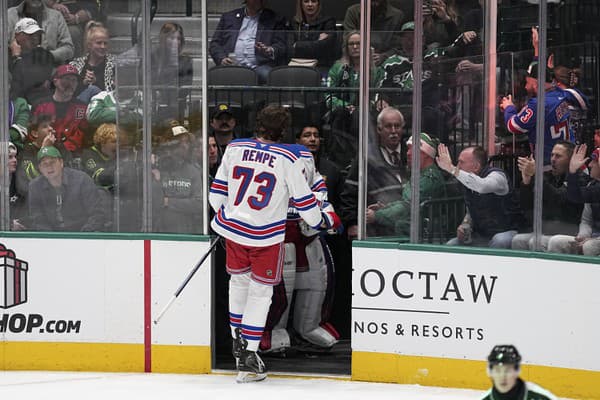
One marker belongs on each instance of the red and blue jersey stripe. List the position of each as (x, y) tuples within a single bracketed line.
[(249, 231), (219, 187)]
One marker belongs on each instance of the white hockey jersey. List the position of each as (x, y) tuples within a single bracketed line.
[(314, 179), (252, 188)]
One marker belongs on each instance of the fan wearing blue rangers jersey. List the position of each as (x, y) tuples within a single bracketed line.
[(559, 105), (250, 195), (503, 369)]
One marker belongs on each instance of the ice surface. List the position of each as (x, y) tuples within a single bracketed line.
[(23, 385), (116, 386)]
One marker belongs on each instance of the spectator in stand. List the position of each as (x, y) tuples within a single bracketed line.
[(440, 23), (310, 138), (386, 22), (213, 154), (172, 69), (557, 100), (56, 38), (396, 81), (559, 215), (314, 35), (32, 65), (587, 240), (469, 70), (177, 184), (69, 123), (493, 215), (213, 157), (103, 109), (76, 13), (345, 73), (18, 118), (396, 215), (387, 173), (343, 117), (97, 67), (99, 160), (64, 199), (251, 36), (40, 134), (223, 124), (18, 203)]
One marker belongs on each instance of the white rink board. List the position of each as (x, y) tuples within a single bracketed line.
[(97, 285), (547, 308), (188, 320), (96, 282)]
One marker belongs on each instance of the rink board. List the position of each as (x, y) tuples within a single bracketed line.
[(92, 299), (430, 315)]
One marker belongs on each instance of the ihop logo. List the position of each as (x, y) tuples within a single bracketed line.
[(13, 279)]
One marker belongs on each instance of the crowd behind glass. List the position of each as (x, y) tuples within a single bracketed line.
[(75, 161)]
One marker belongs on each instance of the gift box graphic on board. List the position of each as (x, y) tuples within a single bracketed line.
[(13, 279)]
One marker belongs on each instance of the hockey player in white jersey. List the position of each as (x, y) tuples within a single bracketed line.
[(504, 366), (250, 195), (307, 270)]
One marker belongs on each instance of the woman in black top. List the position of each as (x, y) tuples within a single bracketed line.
[(172, 71), (313, 35)]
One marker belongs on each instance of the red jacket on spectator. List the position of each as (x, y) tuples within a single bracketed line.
[(70, 130)]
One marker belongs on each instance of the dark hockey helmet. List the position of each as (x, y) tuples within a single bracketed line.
[(504, 354)]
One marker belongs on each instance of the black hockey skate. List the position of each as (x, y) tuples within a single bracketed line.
[(251, 367), (237, 346)]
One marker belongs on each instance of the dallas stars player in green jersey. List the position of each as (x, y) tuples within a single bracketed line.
[(503, 369)]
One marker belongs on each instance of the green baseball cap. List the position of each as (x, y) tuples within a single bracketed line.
[(48, 151), (408, 26)]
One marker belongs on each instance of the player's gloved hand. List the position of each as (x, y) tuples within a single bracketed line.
[(307, 230), (337, 231), (330, 219)]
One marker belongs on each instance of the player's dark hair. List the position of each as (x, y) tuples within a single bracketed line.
[(271, 122)]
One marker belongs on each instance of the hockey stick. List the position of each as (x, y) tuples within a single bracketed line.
[(187, 279)]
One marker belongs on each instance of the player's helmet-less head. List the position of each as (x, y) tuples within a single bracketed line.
[(504, 354), (271, 122)]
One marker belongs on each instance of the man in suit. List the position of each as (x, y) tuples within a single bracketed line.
[(251, 36)]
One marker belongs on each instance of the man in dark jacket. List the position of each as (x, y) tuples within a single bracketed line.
[(177, 185), (587, 240), (386, 22), (32, 65), (233, 42), (386, 174), (559, 214), (64, 199), (493, 214)]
